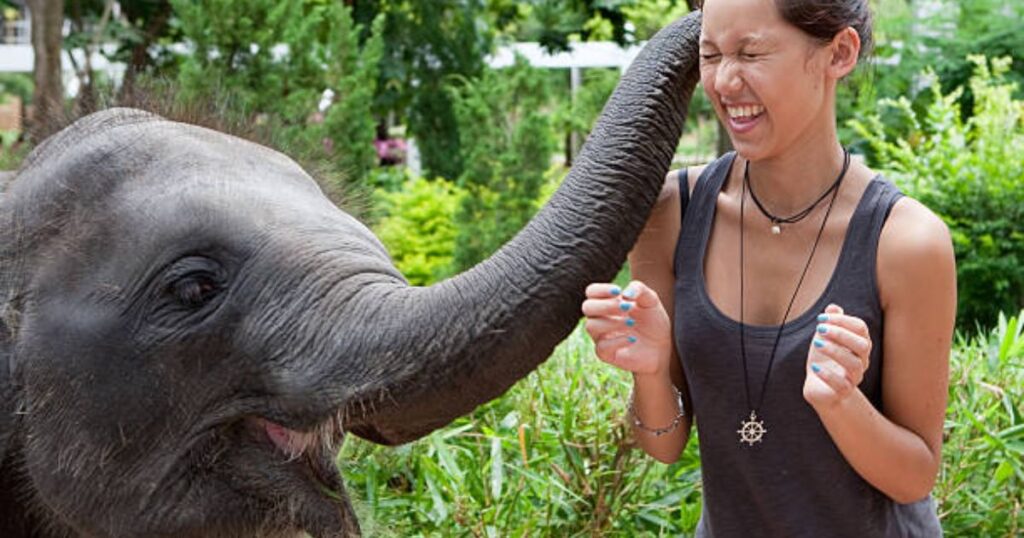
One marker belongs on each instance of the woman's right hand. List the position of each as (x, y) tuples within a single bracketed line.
[(630, 328)]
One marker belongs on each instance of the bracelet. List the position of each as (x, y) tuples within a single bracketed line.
[(658, 432)]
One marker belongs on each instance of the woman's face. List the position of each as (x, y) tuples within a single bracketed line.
[(766, 78)]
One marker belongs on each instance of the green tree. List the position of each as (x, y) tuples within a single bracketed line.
[(427, 45), (273, 60), (507, 143)]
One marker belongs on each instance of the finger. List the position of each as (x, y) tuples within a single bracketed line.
[(853, 366), (832, 374), (606, 307), (608, 350), (602, 290), (843, 337), (606, 327), (851, 323), (642, 294)]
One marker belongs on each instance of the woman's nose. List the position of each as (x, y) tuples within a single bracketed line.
[(727, 78)]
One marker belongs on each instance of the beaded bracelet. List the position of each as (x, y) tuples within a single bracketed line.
[(658, 432)]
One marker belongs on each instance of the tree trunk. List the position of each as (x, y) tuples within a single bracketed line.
[(48, 99)]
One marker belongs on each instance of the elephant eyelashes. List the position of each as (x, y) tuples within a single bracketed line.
[(195, 281), (194, 290)]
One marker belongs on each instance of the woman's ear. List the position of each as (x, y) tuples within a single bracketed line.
[(845, 49)]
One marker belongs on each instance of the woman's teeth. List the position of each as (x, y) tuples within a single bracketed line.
[(744, 111)]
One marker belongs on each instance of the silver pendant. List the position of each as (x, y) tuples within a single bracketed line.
[(776, 229), (751, 431)]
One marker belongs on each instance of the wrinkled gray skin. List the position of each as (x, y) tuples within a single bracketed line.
[(188, 325)]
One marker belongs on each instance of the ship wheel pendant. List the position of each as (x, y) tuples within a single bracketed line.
[(751, 431)]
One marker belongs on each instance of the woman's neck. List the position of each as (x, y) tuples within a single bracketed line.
[(788, 183)]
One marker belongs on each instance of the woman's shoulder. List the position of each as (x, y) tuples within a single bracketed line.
[(672, 180), (914, 247)]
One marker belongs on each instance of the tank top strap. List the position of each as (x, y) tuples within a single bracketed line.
[(858, 262), (698, 210)]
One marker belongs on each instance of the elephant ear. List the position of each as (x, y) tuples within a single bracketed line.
[(7, 398), (8, 271)]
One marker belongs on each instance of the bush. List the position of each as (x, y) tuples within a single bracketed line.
[(981, 488), (969, 172), (418, 228), (507, 142), (273, 62)]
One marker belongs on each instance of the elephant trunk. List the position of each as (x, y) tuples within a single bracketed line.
[(440, 351)]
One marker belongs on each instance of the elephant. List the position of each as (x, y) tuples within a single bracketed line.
[(189, 327)]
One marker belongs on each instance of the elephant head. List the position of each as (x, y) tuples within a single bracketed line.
[(189, 327)]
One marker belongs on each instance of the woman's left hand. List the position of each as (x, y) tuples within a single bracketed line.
[(837, 359)]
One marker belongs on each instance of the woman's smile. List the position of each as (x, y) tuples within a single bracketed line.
[(744, 118)]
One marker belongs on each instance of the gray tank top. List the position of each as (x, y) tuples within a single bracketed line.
[(795, 482)]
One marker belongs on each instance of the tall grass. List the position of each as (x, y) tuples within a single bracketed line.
[(553, 457), (981, 488)]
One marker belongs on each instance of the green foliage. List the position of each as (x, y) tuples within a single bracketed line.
[(550, 458), (427, 45), (943, 42), (419, 228), (17, 84), (969, 172), (650, 16), (578, 113), (238, 54), (981, 488), (12, 152), (555, 24), (507, 142)]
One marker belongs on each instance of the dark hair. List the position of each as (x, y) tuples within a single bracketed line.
[(823, 19)]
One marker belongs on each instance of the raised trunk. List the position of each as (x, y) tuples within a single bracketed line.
[(443, 350)]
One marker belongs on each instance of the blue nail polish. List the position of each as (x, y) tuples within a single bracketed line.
[(631, 339), (815, 368), (625, 306), (615, 291), (822, 317), (818, 343), (630, 322), (822, 329), (630, 293)]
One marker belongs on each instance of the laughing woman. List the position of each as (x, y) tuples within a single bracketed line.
[(801, 310)]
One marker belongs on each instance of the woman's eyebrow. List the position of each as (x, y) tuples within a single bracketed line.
[(741, 42)]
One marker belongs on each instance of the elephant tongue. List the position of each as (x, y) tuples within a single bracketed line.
[(290, 442)]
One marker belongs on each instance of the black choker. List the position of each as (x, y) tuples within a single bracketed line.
[(777, 221)]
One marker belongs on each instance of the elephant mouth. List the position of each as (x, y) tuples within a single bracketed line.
[(311, 452)]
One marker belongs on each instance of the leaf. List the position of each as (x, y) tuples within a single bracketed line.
[(1004, 471), (497, 468)]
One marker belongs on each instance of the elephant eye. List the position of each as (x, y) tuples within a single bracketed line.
[(195, 290), (194, 281)]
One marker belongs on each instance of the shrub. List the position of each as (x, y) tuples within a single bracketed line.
[(507, 142), (970, 173), (418, 228), (981, 488), (273, 62)]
